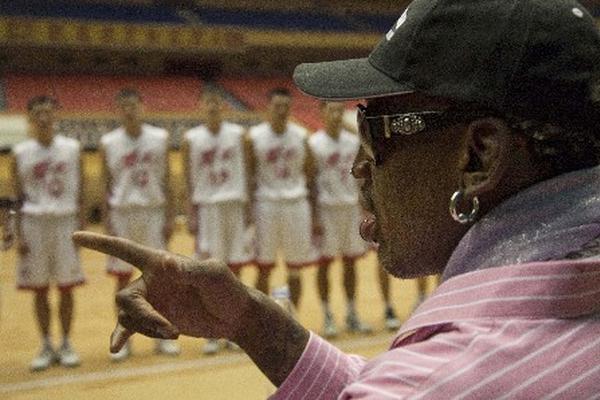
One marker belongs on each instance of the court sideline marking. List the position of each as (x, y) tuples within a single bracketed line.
[(93, 377)]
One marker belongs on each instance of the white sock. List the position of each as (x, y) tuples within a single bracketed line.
[(47, 342)]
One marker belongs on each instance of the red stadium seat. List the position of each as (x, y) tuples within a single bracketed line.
[(96, 93)]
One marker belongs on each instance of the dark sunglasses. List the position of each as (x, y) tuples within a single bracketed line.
[(374, 131)]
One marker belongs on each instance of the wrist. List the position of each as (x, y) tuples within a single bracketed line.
[(270, 336)]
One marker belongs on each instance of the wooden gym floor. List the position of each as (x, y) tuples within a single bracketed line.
[(228, 375)]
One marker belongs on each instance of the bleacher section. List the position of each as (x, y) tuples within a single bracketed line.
[(87, 101), (94, 93), (253, 92), (311, 21), (90, 11), (253, 19)]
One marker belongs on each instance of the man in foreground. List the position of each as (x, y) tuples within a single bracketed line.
[(486, 109)]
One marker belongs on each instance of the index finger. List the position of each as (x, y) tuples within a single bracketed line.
[(142, 257)]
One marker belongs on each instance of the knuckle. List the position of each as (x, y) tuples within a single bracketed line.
[(122, 299)]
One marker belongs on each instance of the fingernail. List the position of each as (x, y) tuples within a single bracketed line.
[(169, 332)]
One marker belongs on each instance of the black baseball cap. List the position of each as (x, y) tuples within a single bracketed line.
[(530, 58)]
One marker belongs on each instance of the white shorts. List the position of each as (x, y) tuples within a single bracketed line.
[(222, 234), (52, 257), (341, 232), (284, 225), (144, 225)]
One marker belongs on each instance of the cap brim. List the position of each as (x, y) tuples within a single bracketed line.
[(346, 80)]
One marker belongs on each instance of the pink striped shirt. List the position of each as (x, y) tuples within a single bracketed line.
[(527, 331)]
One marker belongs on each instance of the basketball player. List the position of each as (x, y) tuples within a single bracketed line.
[(135, 163), (47, 179), (280, 165), (337, 212), (215, 178)]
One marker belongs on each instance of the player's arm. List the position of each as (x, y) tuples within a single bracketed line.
[(192, 212), (17, 189), (169, 210), (250, 159), (81, 197), (106, 182)]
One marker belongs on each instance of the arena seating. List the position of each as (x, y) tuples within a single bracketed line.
[(93, 11), (254, 93), (87, 101), (256, 19), (273, 19), (95, 93)]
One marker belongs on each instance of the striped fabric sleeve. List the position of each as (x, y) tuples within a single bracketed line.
[(322, 372)]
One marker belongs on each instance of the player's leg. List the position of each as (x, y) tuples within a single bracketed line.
[(329, 327), (67, 355), (150, 223), (263, 278), (120, 223), (212, 233), (347, 219), (33, 273), (42, 314), (297, 244), (267, 241), (67, 274), (391, 321), (47, 356), (328, 250), (294, 282), (421, 290)]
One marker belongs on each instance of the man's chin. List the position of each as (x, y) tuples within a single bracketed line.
[(402, 268)]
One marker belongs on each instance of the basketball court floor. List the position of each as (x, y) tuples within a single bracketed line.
[(227, 375)]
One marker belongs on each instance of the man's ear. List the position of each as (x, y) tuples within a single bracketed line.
[(487, 154)]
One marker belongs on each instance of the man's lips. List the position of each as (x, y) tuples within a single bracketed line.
[(368, 228)]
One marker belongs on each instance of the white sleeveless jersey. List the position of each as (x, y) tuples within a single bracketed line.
[(279, 162), (334, 158), (49, 176), (217, 168), (137, 166)]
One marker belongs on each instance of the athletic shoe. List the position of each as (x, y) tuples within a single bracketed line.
[(68, 357), (167, 347), (122, 354), (211, 346), (392, 323), (329, 328), (354, 325), (44, 359)]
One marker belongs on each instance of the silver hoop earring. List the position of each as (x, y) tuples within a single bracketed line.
[(461, 217)]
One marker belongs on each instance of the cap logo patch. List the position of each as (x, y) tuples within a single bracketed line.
[(577, 12), (398, 24)]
